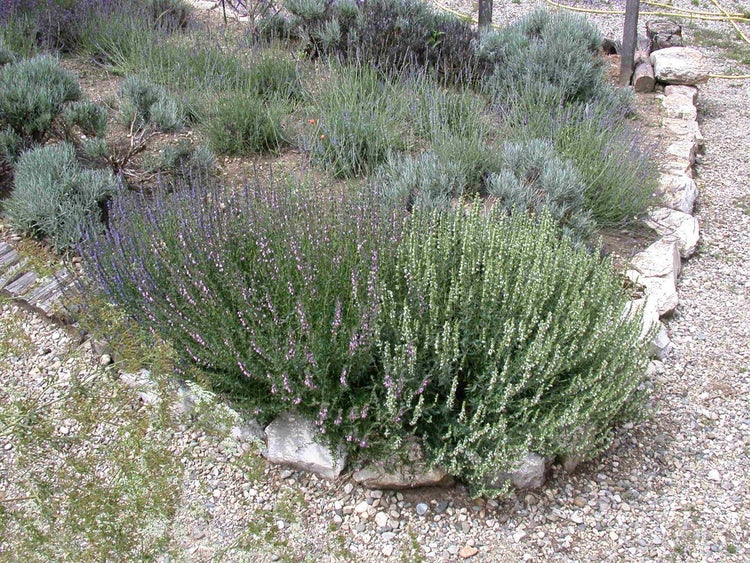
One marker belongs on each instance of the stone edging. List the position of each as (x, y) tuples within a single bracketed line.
[(658, 267)]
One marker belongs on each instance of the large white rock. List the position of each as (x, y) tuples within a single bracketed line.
[(291, 440), (657, 269), (661, 259), (685, 227), (679, 65), (661, 345), (683, 150), (678, 192), (690, 92), (684, 128), (530, 473)]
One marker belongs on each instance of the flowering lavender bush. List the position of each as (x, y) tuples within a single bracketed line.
[(274, 295), (486, 336)]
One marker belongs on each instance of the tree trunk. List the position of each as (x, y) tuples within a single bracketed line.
[(629, 36), (485, 15)]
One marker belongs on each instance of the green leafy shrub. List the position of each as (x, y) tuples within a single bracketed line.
[(272, 293), (497, 338), (32, 94), (89, 117), (356, 123), (425, 180), (535, 179), (243, 123), (144, 103), (486, 336), (275, 77), (53, 197), (476, 157)]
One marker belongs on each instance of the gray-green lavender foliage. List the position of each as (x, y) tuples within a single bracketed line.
[(146, 104), (32, 94), (53, 196), (534, 178)]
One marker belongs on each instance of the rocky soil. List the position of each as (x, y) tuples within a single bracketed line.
[(183, 481)]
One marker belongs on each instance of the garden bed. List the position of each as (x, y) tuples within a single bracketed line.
[(404, 132)]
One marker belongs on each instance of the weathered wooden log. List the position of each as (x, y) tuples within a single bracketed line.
[(611, 46), (663, 34), (642, 50), (643, 75), (643, 78)]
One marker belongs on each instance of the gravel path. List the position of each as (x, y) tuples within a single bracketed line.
[(676, 487)]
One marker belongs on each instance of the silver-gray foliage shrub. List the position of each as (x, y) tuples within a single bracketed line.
[(53, 196), (534, 178), (32, 94), (425, 180), (145, 104)]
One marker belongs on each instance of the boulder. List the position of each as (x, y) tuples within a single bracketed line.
[(663, 34), (291, 441), (683, 226), (530, 473), (678, 192), (683, 150), (679, 65), (684, 128), (408, 472)]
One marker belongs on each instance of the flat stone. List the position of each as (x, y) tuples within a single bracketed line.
[(690, 92), (657, 269), (684, 128), (685, 227), (662, 290), (679, 65), (674, 166), (679, 107), (682, 150), (467, 551), (678, 192), (291, 440)]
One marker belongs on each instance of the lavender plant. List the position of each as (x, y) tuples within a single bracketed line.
[(356, 124), (32, 94), (54, 196), (275, 295)]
